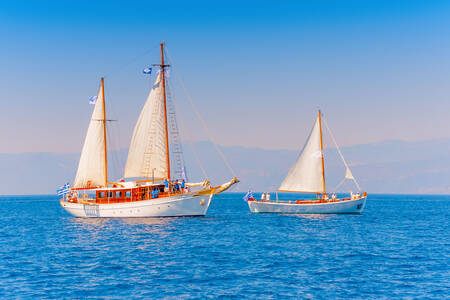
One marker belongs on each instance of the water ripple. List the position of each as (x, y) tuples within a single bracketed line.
[(399, 248)]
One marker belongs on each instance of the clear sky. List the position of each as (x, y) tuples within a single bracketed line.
[(257, 70)]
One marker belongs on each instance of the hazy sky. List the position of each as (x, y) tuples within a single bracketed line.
[(256, 70)]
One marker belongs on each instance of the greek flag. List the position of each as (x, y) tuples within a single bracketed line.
[(92, 100), (64, 190), (147, 71), (248, 196)]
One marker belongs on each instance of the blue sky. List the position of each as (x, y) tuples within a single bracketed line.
[(257, 71)]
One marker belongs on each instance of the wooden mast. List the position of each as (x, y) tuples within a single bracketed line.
[(163, 66), (104, 132), (321, 150)]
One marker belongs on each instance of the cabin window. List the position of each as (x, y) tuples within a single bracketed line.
[(110, 194), (144, 192), (128, 194), (119, 194), (101, 194)]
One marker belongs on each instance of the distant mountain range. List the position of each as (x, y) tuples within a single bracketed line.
[(386, 167)]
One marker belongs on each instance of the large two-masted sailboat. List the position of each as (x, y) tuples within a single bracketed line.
[(307, 175), (156, 194)]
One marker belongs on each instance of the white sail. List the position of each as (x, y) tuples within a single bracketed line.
[(348, 173), (306, 174), (91, 168), (147, 156)]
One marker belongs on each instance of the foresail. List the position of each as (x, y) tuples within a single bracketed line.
[(91, 167), (306, 174), (147, 154), (348, 173)]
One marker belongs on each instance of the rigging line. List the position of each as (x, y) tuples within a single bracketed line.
[(115, 142), (118, 156), (194, 150), (339, 185), (177, 147), (131, 61), (112, 153), (205, 127), (340, 153)]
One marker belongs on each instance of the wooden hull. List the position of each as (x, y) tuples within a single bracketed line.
[(355, 206), (175, 206)]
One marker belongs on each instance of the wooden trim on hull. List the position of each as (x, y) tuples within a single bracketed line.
[(184, 206), (304, 202), (349, 206)]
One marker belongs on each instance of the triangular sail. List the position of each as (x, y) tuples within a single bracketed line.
[(91, 168), (348, 172), (307, 173), (147, 156)]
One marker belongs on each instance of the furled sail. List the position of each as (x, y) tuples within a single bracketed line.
[(91, 168), (147, 156), (306, 174)]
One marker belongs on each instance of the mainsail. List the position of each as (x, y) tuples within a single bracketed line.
[(92, 166), (307, 173), (147, 156)]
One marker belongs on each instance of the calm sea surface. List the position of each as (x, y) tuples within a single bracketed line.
[(398, 248)]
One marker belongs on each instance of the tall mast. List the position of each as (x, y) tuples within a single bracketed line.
[(104, 132), (163, 66), (321, 150)]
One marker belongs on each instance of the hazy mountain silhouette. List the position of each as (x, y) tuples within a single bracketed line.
[(386, 167)]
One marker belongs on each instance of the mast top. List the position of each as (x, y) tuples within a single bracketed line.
[(162, 64)]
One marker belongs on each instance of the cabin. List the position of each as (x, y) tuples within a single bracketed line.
[(130, 194)]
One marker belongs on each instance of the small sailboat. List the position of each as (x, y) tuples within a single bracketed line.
[(156, 194), (308, 176)]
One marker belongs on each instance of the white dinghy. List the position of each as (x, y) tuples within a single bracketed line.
[(308, 176)]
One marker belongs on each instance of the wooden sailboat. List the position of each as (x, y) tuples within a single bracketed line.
[(308, 176), (156, 195)]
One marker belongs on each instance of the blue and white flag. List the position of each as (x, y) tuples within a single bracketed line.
[(248, 196), (64, 190), (147, 71), (93, 100)]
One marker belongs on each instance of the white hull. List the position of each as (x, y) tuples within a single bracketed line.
[(343, 207), (176, 206)]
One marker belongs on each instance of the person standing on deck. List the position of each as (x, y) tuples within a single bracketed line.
[(166, 185), (263, 196), (267, 196), (183, 184)]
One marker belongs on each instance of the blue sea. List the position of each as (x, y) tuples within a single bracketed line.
[(398, 248)]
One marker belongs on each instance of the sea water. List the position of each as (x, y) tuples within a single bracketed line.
[(398, 248)]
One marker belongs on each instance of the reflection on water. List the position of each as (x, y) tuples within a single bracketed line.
[(103, 222), (312, 216), (147, 221), (132, 227)]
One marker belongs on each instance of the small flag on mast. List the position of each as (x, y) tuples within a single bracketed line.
[(93, 100), (248, 196), (64, 190), (147, 71)]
